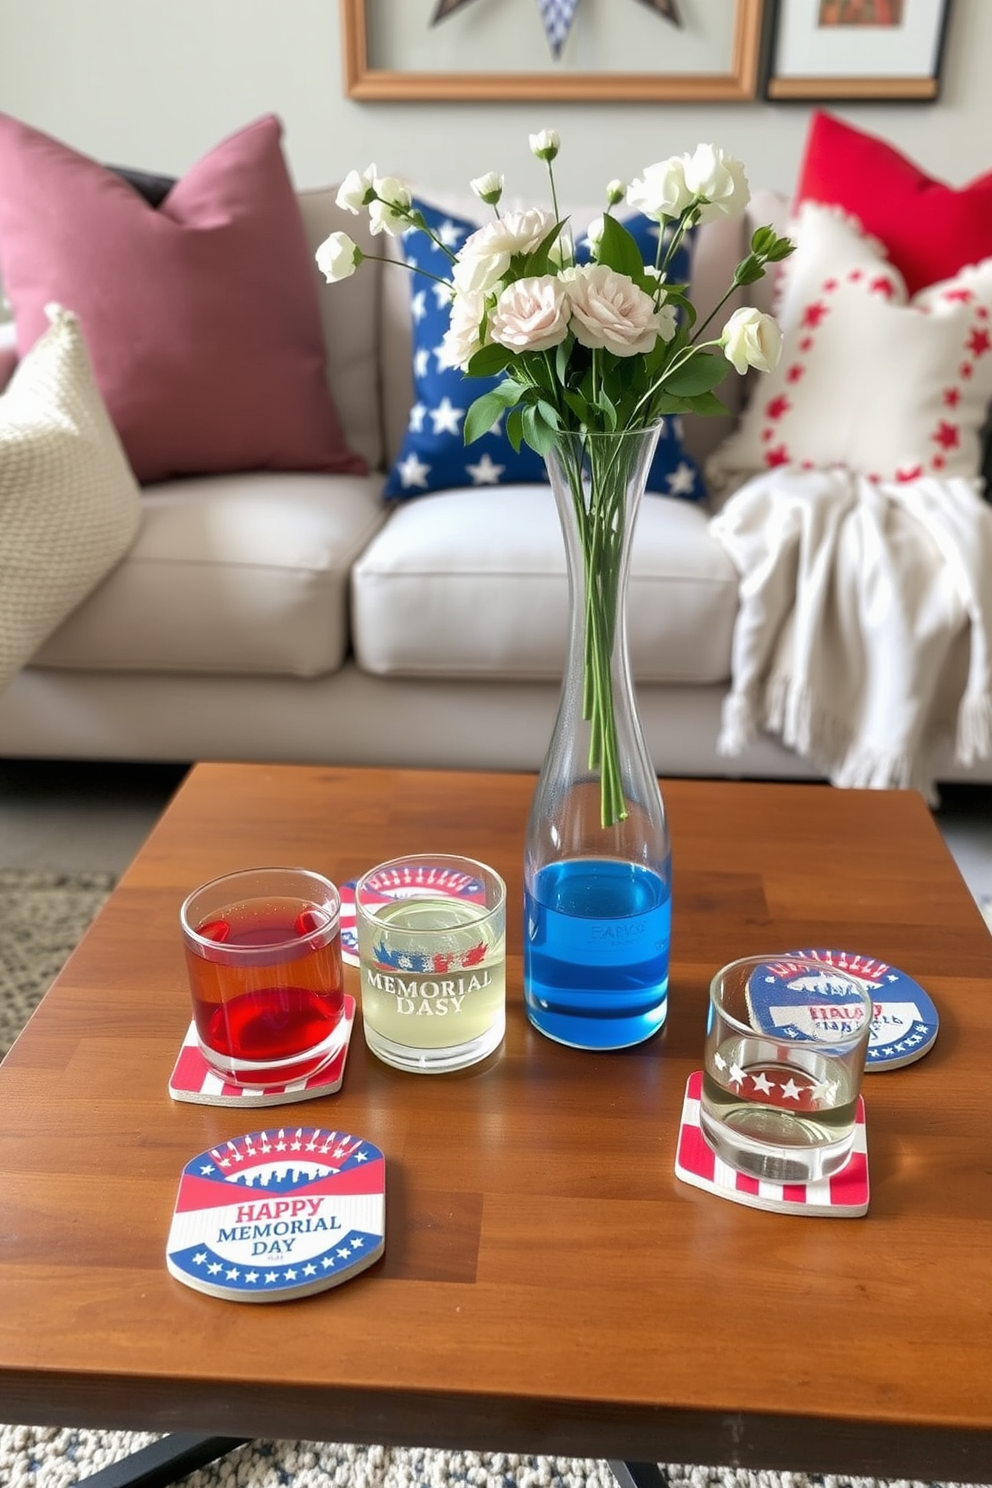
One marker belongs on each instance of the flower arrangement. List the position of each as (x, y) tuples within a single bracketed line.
[(585, 349)]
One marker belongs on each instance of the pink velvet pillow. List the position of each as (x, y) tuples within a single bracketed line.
[(201, 317)]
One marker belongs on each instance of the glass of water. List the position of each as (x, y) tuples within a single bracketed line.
[(785, 1054), (432, 957)]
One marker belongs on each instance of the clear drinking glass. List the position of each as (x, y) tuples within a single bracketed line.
[(263, 952), (785, 1054), (432, 953)]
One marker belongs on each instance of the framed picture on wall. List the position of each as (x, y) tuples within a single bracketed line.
[(858, 49), (625, 51)]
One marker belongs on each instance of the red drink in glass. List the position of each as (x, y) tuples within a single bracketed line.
[(263, 951)]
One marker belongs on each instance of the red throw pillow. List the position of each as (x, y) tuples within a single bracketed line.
[(931, 230), (201, 316)]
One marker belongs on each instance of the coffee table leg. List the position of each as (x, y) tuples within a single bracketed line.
[(637, 1474), (165, 1461)]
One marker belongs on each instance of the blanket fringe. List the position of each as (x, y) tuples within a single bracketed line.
[(738, 725), (974, 736), (792, 713)]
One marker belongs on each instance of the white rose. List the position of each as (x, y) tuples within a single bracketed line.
[(661, 192), (485, 255), (338, 257), (354, 190), (718, 180), (610, 311), (389, 213), (488, 188), (546, 144), (594, 234), (531, 314), (752, 339), (464, 336)]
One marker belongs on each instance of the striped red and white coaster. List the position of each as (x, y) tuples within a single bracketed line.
[(193, 1080), (843, 1196)]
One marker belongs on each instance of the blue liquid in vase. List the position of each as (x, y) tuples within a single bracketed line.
[(597, 936)]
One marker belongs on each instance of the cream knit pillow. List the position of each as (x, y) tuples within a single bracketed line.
[(69, 506)]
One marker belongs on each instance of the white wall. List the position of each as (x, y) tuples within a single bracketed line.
[(156, 83)]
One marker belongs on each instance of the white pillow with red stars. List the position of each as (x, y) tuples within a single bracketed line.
[(870, 380)]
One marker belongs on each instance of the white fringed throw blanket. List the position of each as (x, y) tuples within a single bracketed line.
[(859, 604)]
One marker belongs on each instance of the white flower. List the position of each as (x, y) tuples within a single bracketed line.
[(610, 311), (662, 191), (718, 180), (594, 234), (531, 314), (356, 189), (389, 212), (338, 257), (464, 336), (485, 255), (546, 144), (615, 193), (751, 339), (488, 188)]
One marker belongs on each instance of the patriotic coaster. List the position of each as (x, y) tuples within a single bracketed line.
[(905, 1022), (845, 1195), (278, 1214), (390, 884), (192, 1079)]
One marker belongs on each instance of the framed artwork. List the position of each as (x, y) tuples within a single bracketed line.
[(858, 49), (630, 51)]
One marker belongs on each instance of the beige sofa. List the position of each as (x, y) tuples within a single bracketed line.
[(296, 617)]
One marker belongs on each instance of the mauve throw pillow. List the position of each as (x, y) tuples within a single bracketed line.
[(201, 317)]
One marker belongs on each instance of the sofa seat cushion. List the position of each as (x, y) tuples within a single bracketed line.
[(239, 573), (472, 583)]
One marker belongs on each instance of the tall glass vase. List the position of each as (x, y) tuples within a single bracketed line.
[(597, 863)]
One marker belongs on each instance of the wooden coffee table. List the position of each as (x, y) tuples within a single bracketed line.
[(548, 1285)]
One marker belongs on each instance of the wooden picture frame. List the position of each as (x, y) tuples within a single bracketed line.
[(863, 50), (737, 82)]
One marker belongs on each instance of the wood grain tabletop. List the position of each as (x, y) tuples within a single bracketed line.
[(548, 1284)]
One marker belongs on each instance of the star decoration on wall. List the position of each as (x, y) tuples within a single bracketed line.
[(557, 16)]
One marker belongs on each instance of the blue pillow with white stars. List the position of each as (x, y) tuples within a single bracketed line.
[(434, 456)]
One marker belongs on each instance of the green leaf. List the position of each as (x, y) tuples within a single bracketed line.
[(489, 360), (698, 375), (577, 404), (702, 403), (484, 412), (515, 428), (549, 414), (619, 249), (536, 432), (526, 264)]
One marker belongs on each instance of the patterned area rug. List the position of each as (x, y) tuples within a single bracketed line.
[(42, 916)]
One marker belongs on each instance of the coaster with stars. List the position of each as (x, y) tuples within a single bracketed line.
[(192, 1079), (905, 1022), (842, 1196), (278, 1214)]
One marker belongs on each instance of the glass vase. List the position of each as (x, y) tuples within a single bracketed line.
[(597, 858)]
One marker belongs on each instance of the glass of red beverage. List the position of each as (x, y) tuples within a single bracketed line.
[(263, 951)]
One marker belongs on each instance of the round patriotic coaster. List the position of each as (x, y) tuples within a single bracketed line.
[(905, 1022), (192, 1079), (390, 884), (844, 1195), (278, 1214)]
